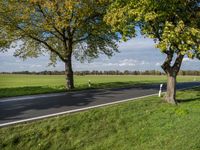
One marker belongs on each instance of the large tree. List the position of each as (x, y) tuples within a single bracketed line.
[(60, 27), (173, 24)]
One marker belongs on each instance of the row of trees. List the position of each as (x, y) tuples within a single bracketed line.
[(88, 28), (111, 72)]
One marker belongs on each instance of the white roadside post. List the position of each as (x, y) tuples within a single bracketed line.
[(160, 91), (89, 83)]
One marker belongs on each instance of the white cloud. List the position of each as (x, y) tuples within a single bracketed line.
[(186, 59), (128, 62), (120, 63), (158, 64), (136, 54), (137, 43), (110, 64), (35, 66), (144, 63)]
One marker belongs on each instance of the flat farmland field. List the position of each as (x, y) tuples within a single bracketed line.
[(15, 85)]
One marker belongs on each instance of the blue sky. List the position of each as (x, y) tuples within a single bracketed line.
[(136, 54)]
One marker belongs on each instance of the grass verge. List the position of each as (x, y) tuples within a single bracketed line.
[(145, 124)]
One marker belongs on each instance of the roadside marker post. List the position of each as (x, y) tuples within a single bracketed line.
[(160, 91), (89, 83)]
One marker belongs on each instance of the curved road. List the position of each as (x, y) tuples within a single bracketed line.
[(26, 108)]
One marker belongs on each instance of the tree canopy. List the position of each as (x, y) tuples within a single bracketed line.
[(61, 27), (51, 24), (173, 24)]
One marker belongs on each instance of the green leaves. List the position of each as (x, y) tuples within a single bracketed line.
[(60, 27), (174, 24), (120, 18), (180, 38)]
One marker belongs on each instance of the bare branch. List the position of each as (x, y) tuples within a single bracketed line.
[(82, 39), (49, 47)]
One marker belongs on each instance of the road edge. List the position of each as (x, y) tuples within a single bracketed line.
[(86, 108)]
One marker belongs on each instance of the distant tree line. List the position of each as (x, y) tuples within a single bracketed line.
[(117, 72), (189, 72), (111, 72)]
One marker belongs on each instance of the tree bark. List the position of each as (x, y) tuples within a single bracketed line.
[(69, 73), (170, 96), (172, 72)]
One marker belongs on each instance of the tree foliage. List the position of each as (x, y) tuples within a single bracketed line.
[(58, 26), (173, 24), (61, 27)]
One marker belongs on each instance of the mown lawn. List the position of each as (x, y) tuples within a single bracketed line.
[(14, 85), (147, 124)]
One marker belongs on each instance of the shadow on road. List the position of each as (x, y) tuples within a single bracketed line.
[(31, 90), (23, 109), (16, 110)]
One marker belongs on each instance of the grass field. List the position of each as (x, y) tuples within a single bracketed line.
[(141, 125), (14, 85)]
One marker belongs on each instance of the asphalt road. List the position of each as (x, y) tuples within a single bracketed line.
[(26, 107)]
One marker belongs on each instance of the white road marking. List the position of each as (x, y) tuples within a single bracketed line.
[(75, 110), (82, 109)]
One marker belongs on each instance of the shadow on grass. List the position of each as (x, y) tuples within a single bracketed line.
[(197, 96), (32, 90), (28, 90), (116, 85), (188, 100)]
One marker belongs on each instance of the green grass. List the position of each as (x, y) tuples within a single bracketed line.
[(14, 85), (137, 125)]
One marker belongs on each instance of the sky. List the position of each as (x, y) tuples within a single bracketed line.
[(136, 54)]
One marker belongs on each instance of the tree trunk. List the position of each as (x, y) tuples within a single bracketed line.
[(172, 72), (69, 74), (170, 96)]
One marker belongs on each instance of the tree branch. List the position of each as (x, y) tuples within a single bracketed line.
[(45, 16), (166, 65), (49, 47), (177, 64), (43, 42), (82, 39), (156, 32)]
